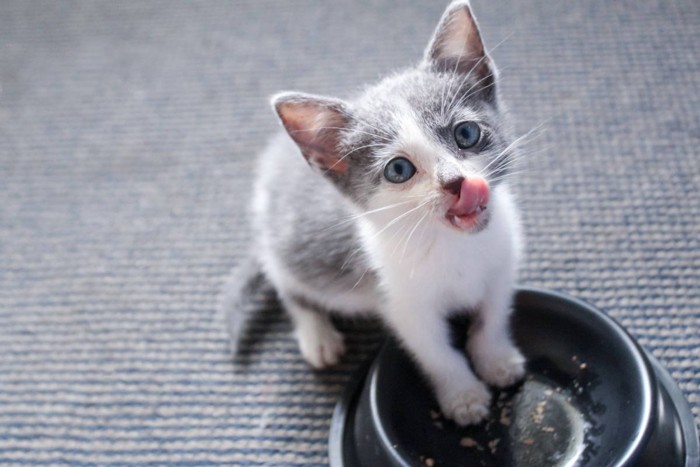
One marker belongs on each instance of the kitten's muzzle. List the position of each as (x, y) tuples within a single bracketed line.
[(470, 197)]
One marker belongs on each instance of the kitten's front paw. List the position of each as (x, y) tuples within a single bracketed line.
[(321, 346), (501, 367), (467, 406)]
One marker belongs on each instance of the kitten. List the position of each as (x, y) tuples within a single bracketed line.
[(406, 213)]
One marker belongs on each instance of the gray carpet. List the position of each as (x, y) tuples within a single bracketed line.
[(127, 135)]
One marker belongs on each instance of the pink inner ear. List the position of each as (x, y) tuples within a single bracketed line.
[(460, 37), (315, 128), (457, 44)]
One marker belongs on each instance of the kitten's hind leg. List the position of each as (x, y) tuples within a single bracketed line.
[(320, 343)]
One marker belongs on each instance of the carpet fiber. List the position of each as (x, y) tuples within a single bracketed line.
[(128, 131)]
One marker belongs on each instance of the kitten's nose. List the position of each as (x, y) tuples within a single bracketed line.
[(454, 187)]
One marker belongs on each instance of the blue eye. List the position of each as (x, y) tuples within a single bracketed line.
[(399, 170), (467, 134)]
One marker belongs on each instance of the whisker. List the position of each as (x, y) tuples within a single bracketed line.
[(470, 93), (515, 162), (428, 199), (429, 247), (403, 228), (360, 279), (376, 234), (464, 80), (466, 77), (511, 174), (408, 239), (431, 211), (503, 41), (400, 217), (366, 213), (507, 176), (504, 166), (509, 147), (454, 72)]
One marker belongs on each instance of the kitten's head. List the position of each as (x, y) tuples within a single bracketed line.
[(428, 143)]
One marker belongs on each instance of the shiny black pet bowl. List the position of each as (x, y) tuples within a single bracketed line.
[(592, 396)]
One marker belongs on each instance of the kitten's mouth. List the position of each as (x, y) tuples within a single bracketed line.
[(467, 221), (468, 208)]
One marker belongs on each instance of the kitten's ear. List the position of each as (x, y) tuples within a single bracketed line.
[(315, 123), (456, 45)]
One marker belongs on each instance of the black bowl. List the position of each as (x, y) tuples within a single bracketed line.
[(592, 396)]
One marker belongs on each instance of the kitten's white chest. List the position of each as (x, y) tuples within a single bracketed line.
[(451, 273)]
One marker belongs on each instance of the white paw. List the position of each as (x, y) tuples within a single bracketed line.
[(321, 346), (500, 367), (467, 406)]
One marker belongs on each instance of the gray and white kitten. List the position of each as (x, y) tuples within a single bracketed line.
[(405, 212)]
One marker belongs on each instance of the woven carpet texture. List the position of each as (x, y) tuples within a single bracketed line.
[(128, 134)]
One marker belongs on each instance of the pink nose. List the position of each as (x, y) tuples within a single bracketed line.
[(472, 195)]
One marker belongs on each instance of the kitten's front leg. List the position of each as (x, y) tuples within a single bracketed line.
[(425, 333), (496, 359)]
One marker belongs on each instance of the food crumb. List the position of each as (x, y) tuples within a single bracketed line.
[(538, 416), (528, 441), (583, 366), (468, 442), (548, 429), (429, 462), (493, 444), (505, 418)]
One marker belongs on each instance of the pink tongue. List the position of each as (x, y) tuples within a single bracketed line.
[(473, 194)]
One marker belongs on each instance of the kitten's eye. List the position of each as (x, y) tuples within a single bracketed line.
[(399, 170), (467, 134)]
